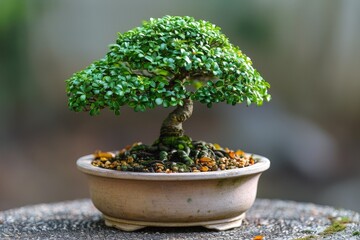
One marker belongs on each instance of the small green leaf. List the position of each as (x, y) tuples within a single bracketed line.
[(161, 85), (159, 101), (83, 97), (219, 83), (166, 103), (94, 111), (163, 46), (248, 101), (153, 84), (150, 59)]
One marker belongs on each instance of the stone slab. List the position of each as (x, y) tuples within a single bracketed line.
[(271, 219)]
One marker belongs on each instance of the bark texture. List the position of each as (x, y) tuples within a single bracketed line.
[(172, 125)]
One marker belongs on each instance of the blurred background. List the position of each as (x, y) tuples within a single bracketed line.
[(309, 51)]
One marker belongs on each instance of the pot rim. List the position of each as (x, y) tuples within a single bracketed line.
[(85, 166)]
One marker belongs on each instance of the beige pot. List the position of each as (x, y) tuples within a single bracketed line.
[(215, 200)]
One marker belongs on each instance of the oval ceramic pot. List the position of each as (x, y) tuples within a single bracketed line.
[(132, 200)]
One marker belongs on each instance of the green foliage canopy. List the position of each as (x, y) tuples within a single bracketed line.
[(163, 62)]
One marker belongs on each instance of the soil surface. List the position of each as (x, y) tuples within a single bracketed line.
[(173, 155)]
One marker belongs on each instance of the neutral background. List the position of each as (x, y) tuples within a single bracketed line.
[(308, 50)]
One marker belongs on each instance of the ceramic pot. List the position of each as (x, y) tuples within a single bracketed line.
[(131, 200)]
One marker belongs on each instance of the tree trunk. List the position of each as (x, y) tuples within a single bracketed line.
[(172, 125)]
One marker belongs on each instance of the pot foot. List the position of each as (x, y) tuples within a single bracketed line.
[(122, 226), (234, 223), (130, 225)]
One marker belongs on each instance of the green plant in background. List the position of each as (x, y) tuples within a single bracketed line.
[(169, 62)]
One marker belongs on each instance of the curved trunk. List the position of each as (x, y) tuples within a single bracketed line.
[(172, 125)]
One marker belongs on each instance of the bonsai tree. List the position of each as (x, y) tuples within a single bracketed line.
[(170, 62)]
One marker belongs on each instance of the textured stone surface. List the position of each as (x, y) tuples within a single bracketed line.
[(272, 219)]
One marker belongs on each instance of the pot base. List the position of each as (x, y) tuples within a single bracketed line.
[(129, 225)]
